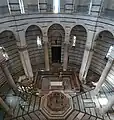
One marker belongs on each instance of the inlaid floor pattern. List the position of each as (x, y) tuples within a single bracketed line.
[(84, 109)]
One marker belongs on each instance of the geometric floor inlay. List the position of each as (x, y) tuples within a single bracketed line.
[(56, 105), (59, 104)]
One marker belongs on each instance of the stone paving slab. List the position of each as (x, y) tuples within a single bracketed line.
[(73, 115), (80, 116), (83, 103)]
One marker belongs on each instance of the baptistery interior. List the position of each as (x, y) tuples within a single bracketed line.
[(56, 60)]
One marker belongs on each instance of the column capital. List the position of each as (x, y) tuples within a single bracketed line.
[(67, 37), (45, 36), (46, 43), (45, 39), (22, 48)]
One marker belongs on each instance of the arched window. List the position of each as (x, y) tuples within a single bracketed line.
[(74, 41), (2, 49), (39, 42)]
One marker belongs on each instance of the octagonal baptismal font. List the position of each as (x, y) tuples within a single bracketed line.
[(57, 101), (56, 105)]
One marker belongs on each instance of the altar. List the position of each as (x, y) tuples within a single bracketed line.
[(56, 85)]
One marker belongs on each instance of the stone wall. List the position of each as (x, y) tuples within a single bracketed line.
[(8, 41), (76, 52), (36, 52), (44, 21), (56, 32), (103, 43)]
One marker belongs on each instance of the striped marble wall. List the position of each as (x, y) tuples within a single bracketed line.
[(76, 52), (56, 31), (36, 52), (44, 21), (103, 43), (8, 41)]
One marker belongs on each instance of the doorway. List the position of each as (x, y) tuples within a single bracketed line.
[(56, 54)]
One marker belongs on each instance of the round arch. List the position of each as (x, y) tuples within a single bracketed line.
[(33, 24), (57, 24), (100, 31), (34, 39), (56, 32), (56, 35), (79, 24), (7, 29), (78, 37), (103, 41), (8, 41), (52, 24)]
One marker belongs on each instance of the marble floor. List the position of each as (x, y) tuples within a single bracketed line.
[(85, 105), (84, 108)]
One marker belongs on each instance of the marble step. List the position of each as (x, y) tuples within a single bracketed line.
[(73, 115)]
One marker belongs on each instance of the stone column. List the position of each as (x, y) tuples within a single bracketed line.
[(24, 56), (5, 106), (46, 53), (65, 60), (104, 75), (87, 57), (9, 77), (25, 61), (6, 72)]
